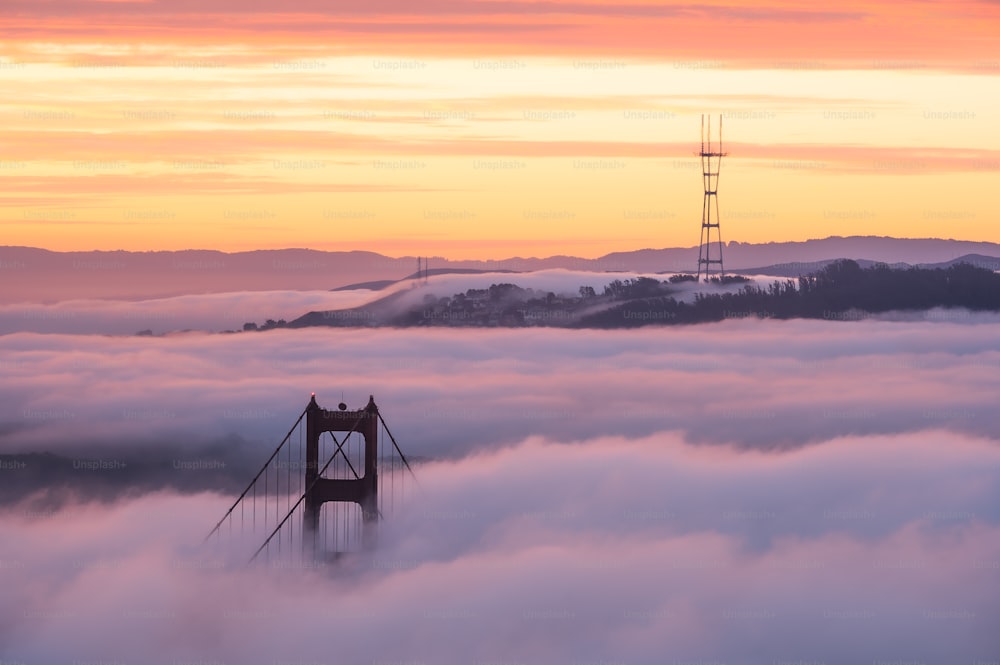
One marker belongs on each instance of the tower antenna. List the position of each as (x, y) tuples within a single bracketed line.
[(711, 162)]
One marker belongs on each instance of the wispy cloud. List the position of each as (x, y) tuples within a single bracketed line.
[(303, 101), (535, 27)]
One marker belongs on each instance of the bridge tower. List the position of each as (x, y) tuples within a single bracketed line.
[(294, 483), (362, 490)]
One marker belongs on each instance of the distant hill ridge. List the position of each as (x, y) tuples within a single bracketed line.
[(39, 275), (797, 269), (380, 284)]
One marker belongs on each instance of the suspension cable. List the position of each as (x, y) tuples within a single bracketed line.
[(396, 445), (263, 468), (319, 475)]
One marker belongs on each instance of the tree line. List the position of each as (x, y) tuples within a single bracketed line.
[(833, 292)]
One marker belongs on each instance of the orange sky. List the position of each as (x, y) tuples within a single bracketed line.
[(492, 129)]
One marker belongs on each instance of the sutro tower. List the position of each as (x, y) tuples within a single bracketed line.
[(711, 161)]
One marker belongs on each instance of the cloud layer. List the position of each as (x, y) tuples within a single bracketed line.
[(743, 492), (750, 383), (216, 312), (643, 551)]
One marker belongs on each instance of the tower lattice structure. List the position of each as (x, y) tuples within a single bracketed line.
[(711, 162)]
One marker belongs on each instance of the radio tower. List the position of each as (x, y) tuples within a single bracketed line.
[(710, 178)]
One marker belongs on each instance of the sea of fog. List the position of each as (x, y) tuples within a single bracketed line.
[(215, 312), (751, 491)]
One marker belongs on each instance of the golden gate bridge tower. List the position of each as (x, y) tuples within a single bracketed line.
[(321, 492), (711, 162)]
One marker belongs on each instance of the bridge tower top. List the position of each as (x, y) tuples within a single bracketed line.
[(328, 457)]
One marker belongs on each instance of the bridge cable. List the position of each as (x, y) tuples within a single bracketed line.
[(319, 475), (252, 482), (396, 445)]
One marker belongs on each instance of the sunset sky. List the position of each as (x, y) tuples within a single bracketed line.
[(492, 129)]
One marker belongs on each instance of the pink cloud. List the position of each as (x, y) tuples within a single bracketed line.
[(550, 551), (938, 35)]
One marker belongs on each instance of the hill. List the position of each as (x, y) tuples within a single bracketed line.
[(842, 290), (39, 275), (797, 269)]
